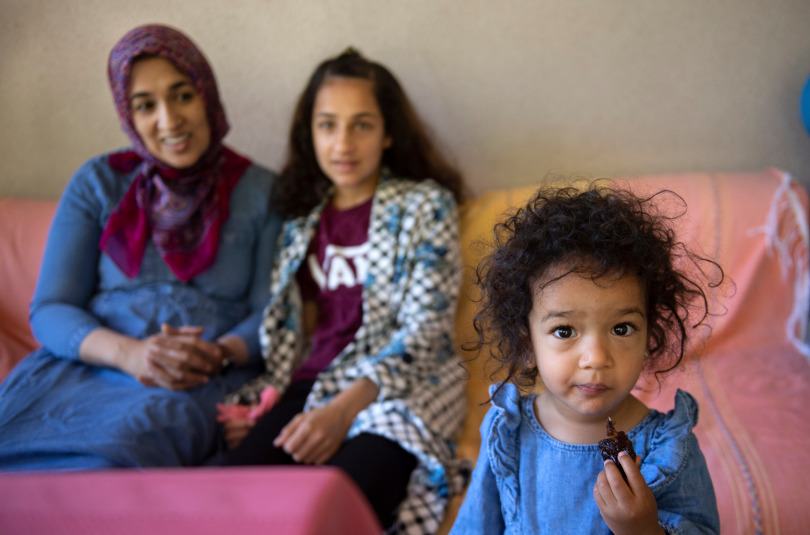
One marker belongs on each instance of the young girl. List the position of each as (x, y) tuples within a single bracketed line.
[(357, 336), (583, 292)]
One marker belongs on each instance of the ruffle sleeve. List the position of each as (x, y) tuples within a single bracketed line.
[(503, 445), (671, 443)]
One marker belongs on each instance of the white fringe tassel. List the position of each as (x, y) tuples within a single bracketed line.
[(791, 244)]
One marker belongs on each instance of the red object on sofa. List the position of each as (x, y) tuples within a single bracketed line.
[(189, 501)]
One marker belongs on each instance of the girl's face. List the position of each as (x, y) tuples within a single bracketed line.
[(168, 113), (589, 340), (348, 132)]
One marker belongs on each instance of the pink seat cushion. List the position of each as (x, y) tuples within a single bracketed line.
[(216, 501), (24, 225)]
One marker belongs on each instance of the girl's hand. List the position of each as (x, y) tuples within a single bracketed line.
[(237, 430), (313, 437), (627, 508)]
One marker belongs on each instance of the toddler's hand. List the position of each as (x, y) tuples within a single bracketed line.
[(627, 508)]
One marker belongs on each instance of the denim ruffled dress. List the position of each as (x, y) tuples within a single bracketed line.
[(525, 481)]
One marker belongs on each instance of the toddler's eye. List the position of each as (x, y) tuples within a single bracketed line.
[(623, 329), (563, 332)]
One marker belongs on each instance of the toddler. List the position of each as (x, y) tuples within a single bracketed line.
[(583, 293)]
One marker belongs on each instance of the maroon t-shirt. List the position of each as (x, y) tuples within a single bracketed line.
[(332, 275)]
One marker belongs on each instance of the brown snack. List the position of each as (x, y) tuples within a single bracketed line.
[(616, 442)]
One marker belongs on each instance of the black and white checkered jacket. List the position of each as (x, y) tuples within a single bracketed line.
[(405, 343)]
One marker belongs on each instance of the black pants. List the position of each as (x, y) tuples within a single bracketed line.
[(379, 466)]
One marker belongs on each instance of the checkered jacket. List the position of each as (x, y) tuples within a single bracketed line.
[(405, 341)]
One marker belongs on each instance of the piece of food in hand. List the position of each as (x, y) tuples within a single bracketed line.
[(616, 442)]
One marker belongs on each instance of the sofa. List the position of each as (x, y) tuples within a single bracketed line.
[(750, 376)]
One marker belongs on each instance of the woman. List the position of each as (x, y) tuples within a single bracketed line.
[(358, 333), (152, 283)]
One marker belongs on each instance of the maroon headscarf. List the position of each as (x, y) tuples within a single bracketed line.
[(182, 210)]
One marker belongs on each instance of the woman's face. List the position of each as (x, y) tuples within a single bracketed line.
[(168, 113), (348, 132)]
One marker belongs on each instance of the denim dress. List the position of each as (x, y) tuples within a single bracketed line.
[(57, 412), (525, 481)]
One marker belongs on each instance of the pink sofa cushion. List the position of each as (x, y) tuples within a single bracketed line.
[(216, 501), (24, 225)]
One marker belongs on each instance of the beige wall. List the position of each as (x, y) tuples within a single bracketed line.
[(513, 89)]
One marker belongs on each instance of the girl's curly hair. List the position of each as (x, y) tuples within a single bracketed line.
[(596, 231)]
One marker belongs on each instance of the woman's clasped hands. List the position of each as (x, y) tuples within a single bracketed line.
[(177, 358)]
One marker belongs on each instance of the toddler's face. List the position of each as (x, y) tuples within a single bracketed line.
[(589, 339)]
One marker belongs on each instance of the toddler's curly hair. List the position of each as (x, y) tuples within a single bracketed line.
[(598, 230)]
